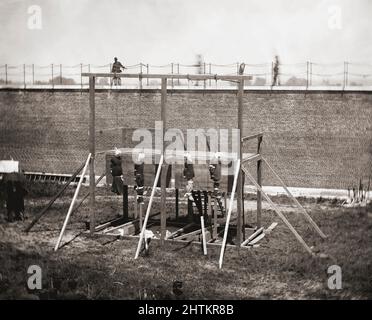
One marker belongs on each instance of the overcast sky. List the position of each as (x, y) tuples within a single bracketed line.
[(163, 31)]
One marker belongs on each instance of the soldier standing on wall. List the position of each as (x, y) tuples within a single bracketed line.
[(276, 80), (116, 68), (241, 68)]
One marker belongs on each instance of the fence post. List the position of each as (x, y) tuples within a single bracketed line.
[(344, 82), (60, 73), (33, 74), (205, 71), (52, 77), (210, 72), (24, 76), (307, 74), (140, 78), (347, 74), (237, 73), (89, 67), (81, 77), (178, 72), (147, 79), (311, 73), (172, 74), (6, 74)]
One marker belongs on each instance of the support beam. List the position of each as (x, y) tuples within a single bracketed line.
[(239, 199), (177, 204), (92, 150), (87, 195), (168, 76), (204, 240), (236, 174), (259, 195), (302, 209), (164, 167), (215, 216), (279, 213), (59, 193), (125, 202), (72, 203), (142, 234)]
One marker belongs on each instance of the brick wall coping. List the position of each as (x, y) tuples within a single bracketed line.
[(72, 88)]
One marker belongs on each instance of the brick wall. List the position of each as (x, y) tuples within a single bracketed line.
[(313, 139)]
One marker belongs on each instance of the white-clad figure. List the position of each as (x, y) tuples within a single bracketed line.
[(148, 235), (188, 174)]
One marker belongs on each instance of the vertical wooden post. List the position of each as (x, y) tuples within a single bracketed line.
[(6, 74), (52, 77), (60, 73), (163, 213), (81, 77), (147, 70), (210, 72), (177, 204), (346, 74), (205, 71), (178, 72), (259, 181), (172, 73), (237, 73), (33, 74), (140, 215), (225, 200), (239, 197), (140, 78), (125, 201), (24, 76), (215, 218), (259, 196), (307, 74), (311, 73), (92, 150)]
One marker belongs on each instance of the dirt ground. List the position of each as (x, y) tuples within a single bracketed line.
[(104, 268)]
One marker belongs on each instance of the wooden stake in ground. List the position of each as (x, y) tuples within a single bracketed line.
[(203, 235), (73, 202), (149, 207), (236, 174)]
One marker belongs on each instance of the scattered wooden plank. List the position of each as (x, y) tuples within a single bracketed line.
[(192, 235), (252, 236), (255, 240), (181, 230), (271, 227)]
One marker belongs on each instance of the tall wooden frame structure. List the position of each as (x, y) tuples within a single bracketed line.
[(238, 177)]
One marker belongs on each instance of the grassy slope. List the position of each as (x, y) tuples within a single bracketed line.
[(99, 268)]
